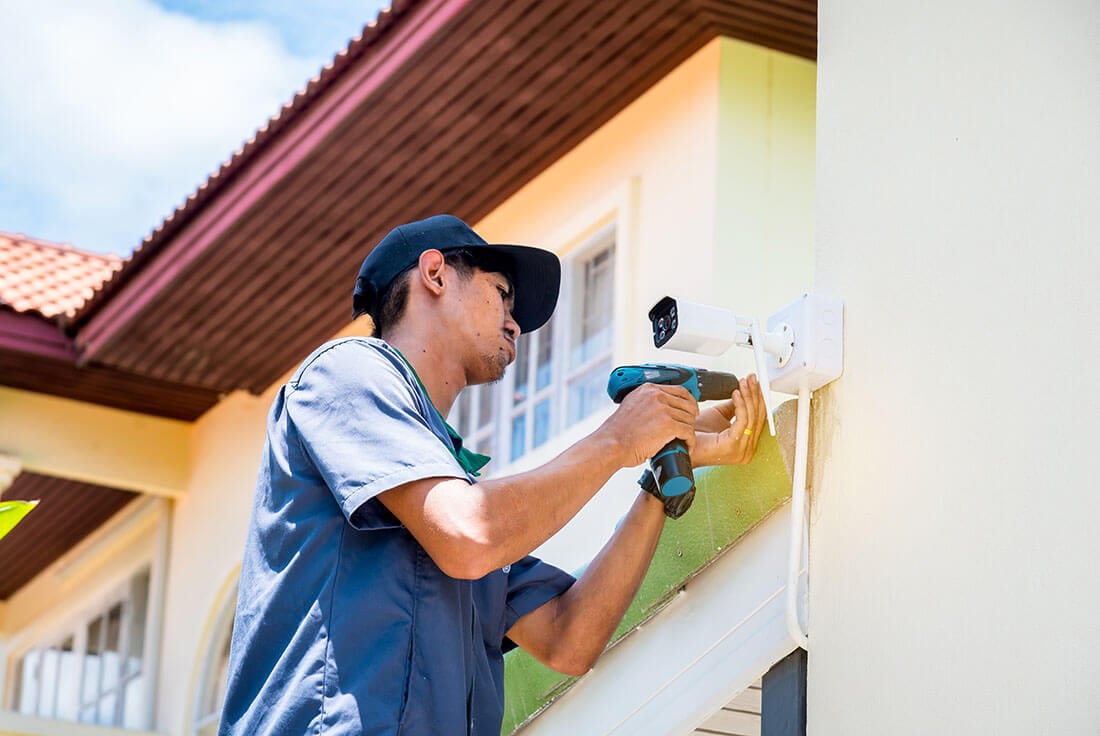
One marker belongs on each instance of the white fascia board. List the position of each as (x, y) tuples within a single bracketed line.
[(719, 635)]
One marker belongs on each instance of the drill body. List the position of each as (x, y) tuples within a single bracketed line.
[(669, 476)]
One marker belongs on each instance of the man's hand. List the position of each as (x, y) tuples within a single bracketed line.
[(728, 433), (650, 417)]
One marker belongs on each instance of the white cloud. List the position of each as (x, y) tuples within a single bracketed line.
[(114, 111)]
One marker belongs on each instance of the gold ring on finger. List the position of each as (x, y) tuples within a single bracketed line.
[(748, 432)]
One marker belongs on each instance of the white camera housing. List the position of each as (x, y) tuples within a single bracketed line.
[(694, 328)]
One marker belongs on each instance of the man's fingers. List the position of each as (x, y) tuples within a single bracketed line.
[(761, 406)]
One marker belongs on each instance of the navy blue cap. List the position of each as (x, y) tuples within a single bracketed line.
[(535, 273)]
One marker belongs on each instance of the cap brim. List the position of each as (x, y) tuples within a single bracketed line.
[(536, 279)]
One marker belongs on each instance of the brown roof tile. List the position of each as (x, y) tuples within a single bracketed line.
[(50, 279)]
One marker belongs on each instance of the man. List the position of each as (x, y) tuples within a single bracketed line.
[(381, 582)]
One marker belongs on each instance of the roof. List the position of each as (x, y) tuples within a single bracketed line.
[(48, 278), (438, 106), (441, 106), (67, 512)]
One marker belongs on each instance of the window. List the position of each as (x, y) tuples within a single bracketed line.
[(559, 376), (96, 673), (215, 673), (590, 346)]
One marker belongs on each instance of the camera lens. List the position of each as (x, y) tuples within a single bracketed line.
[(662, 329)]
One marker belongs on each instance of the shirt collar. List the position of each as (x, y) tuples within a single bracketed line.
[(472, 462)]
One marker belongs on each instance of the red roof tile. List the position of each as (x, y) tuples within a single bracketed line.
[(50, 279)]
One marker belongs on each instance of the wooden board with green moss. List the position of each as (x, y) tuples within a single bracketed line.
[(730, 501)]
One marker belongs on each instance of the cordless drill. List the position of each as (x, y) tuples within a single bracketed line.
[(669, 475)]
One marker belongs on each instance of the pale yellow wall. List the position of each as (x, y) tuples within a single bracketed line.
[(208, 536), (954, 541), (715, 167), (94, 444), (667, 140), (764, 226)]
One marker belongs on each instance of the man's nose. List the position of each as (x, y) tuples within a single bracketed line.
[(511, 327)]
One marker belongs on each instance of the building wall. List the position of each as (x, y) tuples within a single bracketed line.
[(953, 538)]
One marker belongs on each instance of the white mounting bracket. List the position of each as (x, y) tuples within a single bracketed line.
[(815, 356)]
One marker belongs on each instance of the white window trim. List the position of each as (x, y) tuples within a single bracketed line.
[(219, 625), (84, 582), (564, 335), (617, 209)]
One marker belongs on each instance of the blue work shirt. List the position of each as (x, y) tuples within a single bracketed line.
[(344, 624)]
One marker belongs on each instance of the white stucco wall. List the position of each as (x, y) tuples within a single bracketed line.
[(953, 542)]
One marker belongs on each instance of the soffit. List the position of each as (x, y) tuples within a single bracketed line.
[(67, 512), (464, 102)]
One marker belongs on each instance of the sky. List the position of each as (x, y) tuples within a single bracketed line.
[(112, 112)]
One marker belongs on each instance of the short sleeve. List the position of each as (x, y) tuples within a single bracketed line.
[(531, 583), (365, 427)]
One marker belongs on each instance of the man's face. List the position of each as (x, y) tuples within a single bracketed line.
[(485, 324)]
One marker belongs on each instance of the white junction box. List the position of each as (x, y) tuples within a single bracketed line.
[(816, 326)]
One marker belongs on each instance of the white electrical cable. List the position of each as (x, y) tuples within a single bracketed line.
[(798, 515)]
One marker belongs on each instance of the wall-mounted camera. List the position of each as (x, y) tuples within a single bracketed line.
[(695, 328), (799, 351)]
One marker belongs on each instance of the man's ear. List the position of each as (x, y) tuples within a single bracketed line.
[(431, 271)]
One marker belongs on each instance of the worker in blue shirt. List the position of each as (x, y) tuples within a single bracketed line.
[(382, 581)]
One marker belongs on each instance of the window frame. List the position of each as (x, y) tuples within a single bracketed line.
[(611, 217), (83, 585), (209, 689), (76, 701), (564, 328)]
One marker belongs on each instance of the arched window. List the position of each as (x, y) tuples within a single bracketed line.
[(215, 670)]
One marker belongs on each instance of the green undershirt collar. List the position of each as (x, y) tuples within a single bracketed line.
[(471, 461)]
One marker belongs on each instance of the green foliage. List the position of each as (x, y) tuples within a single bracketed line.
[(12, 512)]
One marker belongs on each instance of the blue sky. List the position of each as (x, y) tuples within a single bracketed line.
[(116, 110)]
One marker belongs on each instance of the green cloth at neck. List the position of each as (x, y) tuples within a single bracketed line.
[(471, 462)]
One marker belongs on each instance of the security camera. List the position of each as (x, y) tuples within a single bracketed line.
[(696, 328)]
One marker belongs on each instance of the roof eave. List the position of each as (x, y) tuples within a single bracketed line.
[(191, 231)]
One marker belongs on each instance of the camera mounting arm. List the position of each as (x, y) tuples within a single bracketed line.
[(698, 328)]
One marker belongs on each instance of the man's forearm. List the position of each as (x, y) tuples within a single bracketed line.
[(589, 612), (470, 530)]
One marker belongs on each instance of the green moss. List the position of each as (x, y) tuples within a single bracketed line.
[(729, 501)]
